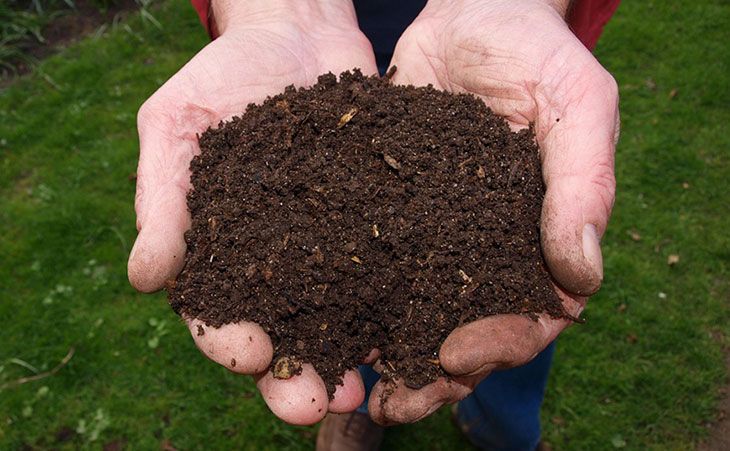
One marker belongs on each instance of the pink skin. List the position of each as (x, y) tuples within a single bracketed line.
[(523, 61), (519, 57), (261, 50)]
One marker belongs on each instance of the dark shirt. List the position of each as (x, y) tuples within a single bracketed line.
[(383, 21)]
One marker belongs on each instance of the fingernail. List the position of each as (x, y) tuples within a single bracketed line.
[(592, 251)]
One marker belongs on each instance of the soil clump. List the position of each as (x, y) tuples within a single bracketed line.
[(357, 214)]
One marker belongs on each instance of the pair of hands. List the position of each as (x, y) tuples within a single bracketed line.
[(519, 57)]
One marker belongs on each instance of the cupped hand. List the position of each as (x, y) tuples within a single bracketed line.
[(263, 47), (525, 63)]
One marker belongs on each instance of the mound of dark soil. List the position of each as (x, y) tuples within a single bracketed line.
[(357, 214)]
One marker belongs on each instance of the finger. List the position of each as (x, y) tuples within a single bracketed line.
[(241, 347), (349, 395), (299, 400), (502, 341), (163, 179), (158, 253), (489, 343), (406, 405), (577, 130)]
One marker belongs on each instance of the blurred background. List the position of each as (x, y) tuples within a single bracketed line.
[(85, 362)]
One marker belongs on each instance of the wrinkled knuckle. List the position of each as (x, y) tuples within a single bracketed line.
[(605, 86), (147, 112), (602, 82), (604, 181), (611, 85), (144, 113)]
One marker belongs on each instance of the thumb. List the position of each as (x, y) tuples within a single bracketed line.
[(163, 179), (158, 253), (578, 142)]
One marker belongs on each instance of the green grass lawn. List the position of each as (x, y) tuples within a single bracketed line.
[(643, 373)]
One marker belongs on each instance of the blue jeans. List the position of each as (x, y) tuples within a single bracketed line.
[(503, 412)]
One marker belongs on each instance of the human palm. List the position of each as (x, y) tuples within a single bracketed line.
[(521, 59), (244, 65)]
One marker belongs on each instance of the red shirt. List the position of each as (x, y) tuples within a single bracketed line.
[(586, 18)]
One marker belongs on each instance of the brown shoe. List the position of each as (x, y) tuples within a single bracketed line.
[(349, 432)]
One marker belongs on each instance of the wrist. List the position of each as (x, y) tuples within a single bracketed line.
[(562, 7), (231, 14)]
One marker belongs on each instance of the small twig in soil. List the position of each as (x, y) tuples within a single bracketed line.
[(54, 370), (465, 162), (389, 75), (465, 277)]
